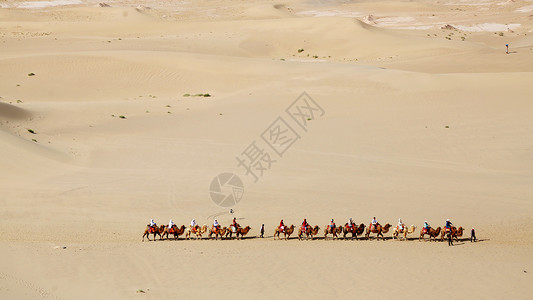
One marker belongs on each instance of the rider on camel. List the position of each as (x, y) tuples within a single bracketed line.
[(426, 227), (216, 226), (351, 223), (332, 225), (374, 224), (193, 224), (304, 225), (234, 223), (153, 225), (171, 226), (400, 225), (448, 225), (281, 226)]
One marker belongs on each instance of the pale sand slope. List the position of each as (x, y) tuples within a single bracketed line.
[(415, 126)]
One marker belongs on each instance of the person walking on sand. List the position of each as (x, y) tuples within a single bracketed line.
[(507, 47), (262, 230), (473, 235)]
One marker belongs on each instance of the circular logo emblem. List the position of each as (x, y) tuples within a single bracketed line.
[(226, 189)]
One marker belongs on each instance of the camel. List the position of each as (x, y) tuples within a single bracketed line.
[(242, 231), (396, 232), (154, 231), (456, 233), (218, 232), (238, 230), (309, 232), (354, 230), (231, 230), (334, 232), (433, 233), (286, 232), (196, 230), (380, 230), (174, 230)]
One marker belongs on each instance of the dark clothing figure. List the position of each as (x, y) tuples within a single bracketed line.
[(262, 230), (473, 235), (448, 224), (450, 240)]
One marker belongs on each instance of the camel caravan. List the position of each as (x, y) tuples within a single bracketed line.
[(349, 231), (195, 231)]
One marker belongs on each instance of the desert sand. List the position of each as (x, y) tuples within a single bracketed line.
[(423, 116)]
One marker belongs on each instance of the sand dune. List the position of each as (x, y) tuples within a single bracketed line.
[(111, 129)]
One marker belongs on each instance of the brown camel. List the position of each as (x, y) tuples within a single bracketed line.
[(335, 232), (354, 230), (287, 231), (380, 230), (231, 230), (309, 232), (396, 232), (242, 231), (217, 232), (174, 230), (154, 230), (456, 233), (196, 230), (433, 233), (239, 231)]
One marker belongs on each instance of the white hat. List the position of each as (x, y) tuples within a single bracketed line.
[(447, 219)]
